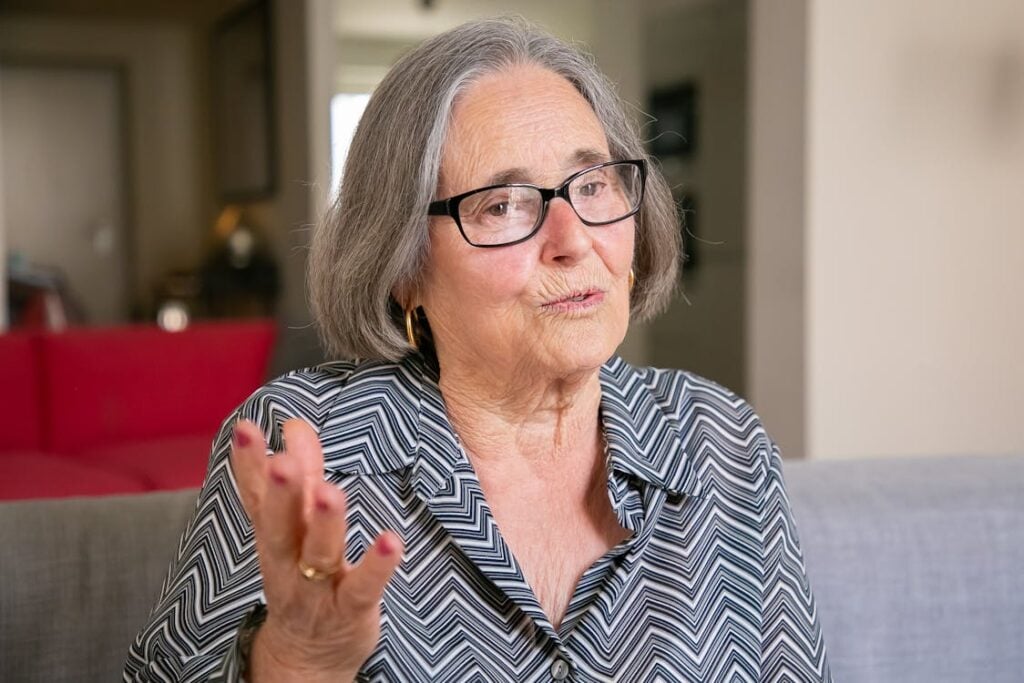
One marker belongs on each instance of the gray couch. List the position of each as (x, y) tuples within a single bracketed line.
[(918, 568)]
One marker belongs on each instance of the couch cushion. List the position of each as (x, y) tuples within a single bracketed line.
[(20, 398), (916, 565), (177, 462), (77, 579), (107, 386), (40, 475)]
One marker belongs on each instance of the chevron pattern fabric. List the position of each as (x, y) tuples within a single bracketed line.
[(710, 585)]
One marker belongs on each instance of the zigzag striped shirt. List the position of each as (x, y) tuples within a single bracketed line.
[(709, 586)]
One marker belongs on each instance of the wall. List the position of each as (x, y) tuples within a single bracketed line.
[(409, 21), (165, 158), (706, 43), (775, 221), (285, 217), (915, 236)]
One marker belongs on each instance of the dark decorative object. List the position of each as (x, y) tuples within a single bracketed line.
[(674, 130), (243, 103), (240, 278)]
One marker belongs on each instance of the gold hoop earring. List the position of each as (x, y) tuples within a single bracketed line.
[(410, 333), (632, 279)]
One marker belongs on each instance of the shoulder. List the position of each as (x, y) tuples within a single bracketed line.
[(313, 393), (302, 392), (683, 395), (713, 422)]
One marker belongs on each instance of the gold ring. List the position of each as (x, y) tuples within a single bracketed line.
[(314, 574)]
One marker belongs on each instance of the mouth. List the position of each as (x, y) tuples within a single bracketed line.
[(576, 300)]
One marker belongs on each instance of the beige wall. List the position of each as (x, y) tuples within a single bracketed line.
[(775, 221), (915, 235), (163, 131)]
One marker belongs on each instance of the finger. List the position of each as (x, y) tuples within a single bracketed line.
[(302, 443), (249, 464), (280, 519), (324, 544), (364, 585)]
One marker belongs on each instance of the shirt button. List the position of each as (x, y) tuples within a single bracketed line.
[(559, 670)]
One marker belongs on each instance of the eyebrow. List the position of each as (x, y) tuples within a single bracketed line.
[(581, 157)]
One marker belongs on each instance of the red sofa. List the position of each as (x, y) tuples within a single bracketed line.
[(95, 411)]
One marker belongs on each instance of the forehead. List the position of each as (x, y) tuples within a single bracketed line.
[(521, 121)]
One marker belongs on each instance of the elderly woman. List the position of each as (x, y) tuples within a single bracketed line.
[(489, 494)]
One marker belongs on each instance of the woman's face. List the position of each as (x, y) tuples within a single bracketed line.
[(518, 307)]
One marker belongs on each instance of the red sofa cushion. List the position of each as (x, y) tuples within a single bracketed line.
[(108, 386), (20, 398), (38, 475), (174, 462)]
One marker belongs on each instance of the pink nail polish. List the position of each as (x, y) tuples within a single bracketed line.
[(278, 477), (322, 505), (384, 546)]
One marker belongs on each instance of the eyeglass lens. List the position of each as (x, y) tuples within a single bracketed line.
[(509, 213)]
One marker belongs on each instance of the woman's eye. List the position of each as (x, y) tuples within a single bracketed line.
[(497, 210), (591, 189)]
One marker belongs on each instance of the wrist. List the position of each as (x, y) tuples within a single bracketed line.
[(274, 658)]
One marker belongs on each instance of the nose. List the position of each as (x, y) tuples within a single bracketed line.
[(566, 239)]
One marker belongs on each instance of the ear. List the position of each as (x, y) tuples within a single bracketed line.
[(406, 296)]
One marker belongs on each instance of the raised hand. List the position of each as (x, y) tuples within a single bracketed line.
[(323, 614)]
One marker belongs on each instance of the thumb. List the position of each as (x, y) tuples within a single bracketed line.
[(363, 585)]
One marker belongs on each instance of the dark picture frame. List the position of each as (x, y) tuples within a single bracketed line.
[(674, 129), (242, 74)]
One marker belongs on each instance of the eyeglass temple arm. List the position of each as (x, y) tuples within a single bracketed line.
[(439, 208)]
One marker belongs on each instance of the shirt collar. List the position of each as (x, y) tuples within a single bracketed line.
[(641, 429), (392, 417)]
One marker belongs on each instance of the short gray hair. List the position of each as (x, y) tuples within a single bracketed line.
[(372, 242)]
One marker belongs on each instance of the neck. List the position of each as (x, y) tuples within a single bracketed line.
[(522, 413)]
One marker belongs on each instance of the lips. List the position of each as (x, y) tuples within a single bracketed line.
[(576, 298)]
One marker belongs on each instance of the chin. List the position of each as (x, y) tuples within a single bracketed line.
[(575, 355)]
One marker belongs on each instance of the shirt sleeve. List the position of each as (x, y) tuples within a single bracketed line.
[(792, 645), (213, 582)]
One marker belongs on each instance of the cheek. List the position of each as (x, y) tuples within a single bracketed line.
[(616, 247), (461, 284), (497, 279)]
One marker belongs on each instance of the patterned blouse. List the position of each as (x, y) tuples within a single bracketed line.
[(709, 586)]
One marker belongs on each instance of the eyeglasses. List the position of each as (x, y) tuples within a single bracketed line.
[(502, 215)]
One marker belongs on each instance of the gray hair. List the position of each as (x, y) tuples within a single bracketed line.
[(368, 251)]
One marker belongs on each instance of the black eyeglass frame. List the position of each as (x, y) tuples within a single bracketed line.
[(450, 206)]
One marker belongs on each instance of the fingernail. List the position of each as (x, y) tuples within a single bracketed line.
[(241, 438), (384, 546), (277, 477), (322, 505)]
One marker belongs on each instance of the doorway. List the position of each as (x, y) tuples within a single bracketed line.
[(65, 181)]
